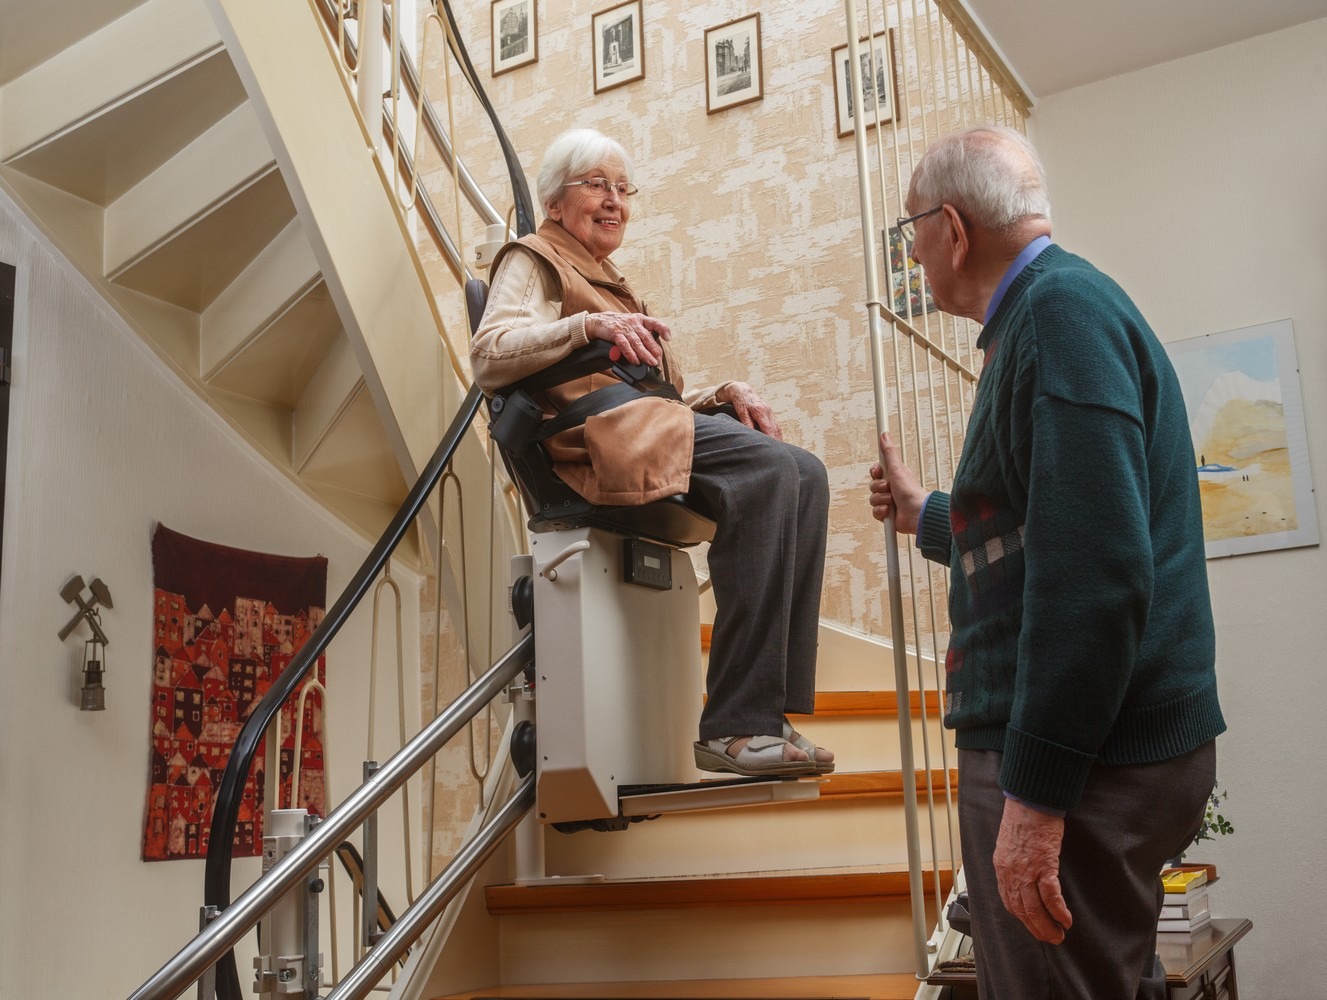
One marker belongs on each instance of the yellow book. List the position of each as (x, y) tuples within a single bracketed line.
[(1180, 880)]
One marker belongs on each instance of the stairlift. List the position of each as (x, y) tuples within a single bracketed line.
[(608, 711)]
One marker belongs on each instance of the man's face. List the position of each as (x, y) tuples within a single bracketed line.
[(930, 249)]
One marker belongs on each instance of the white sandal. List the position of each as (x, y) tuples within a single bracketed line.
[(822, 759), (762, 755)]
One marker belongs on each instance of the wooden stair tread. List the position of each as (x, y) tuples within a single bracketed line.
[(743, 889), (881, 784), (881, 986), (838, 704)]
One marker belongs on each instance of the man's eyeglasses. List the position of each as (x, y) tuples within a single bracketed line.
[(602, 185), (908, 226)]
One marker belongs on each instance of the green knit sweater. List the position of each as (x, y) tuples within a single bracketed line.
[(1081, 623)]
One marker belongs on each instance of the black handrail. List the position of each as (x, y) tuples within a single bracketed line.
[(216, 879), (520, 189)]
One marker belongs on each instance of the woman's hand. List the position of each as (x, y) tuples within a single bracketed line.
[(751, 409), (632, 333), (895, 489)]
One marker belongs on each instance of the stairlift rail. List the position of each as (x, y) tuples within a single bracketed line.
[(193, 960)]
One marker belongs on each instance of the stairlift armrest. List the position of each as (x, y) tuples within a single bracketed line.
[(596, 356)]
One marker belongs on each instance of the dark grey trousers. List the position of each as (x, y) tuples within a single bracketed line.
[(1132, 820), (767, 561)]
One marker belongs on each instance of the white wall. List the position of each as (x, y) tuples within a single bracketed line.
[(104, 442), (1199, 185)]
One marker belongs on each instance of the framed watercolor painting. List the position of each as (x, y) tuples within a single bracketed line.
[(1241, 389), (732, 64), (619, 56), (515, 34), (910, 294), (879, 90)]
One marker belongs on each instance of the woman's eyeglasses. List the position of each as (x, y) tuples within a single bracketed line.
[(602, 185)]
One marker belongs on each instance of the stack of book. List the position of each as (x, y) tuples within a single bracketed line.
[(1186, 907)]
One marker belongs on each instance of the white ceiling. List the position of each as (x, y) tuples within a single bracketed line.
[(1053, 45)]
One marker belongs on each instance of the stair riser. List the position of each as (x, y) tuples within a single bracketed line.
[(740, 942), (774, 838), (872, 744)]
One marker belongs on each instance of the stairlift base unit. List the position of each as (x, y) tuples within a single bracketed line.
[(617, 672)]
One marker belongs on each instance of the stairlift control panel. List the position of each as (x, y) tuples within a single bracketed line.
[(647, 564)]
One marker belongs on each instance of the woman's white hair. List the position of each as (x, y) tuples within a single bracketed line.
[(991, 173), (572, 153)]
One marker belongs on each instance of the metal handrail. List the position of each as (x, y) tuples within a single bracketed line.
[(226, 814), (397, 941), (236, 920)]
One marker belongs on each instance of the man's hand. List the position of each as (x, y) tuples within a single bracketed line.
[(631, 333), (895, 489), (1027, 869), (751, 409)]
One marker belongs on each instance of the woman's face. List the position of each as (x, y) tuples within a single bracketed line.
[(598, 221)]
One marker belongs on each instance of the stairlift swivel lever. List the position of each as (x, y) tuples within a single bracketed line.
[(550, 570)]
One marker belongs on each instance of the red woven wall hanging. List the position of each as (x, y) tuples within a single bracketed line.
[(226, 622)]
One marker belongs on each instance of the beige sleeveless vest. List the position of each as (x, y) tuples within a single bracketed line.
[(632, 454)]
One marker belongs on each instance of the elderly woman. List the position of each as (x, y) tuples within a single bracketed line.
[(556, 290)]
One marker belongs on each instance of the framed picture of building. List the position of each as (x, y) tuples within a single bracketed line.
[(515, 35), (619, 56), (1250, 439), (879, 91), (732, 64)]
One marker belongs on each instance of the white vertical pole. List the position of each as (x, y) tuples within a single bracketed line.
[(369, 75), (897, 630)]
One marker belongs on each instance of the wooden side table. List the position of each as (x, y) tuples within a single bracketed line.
[(1201, 966)]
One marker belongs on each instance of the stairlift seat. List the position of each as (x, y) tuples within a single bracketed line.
[(551, 503)]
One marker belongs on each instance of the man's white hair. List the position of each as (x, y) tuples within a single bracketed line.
[(572, 153), (990, 173)]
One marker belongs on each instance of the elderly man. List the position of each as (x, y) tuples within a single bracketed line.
[(1081, 666)]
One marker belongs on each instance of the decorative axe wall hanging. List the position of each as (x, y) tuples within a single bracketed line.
[(226, 623)]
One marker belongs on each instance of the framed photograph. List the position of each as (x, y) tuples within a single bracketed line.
[(879, 91), (619, 56), (910, 295), (1241, 389), (515, 35), (732, 64)]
